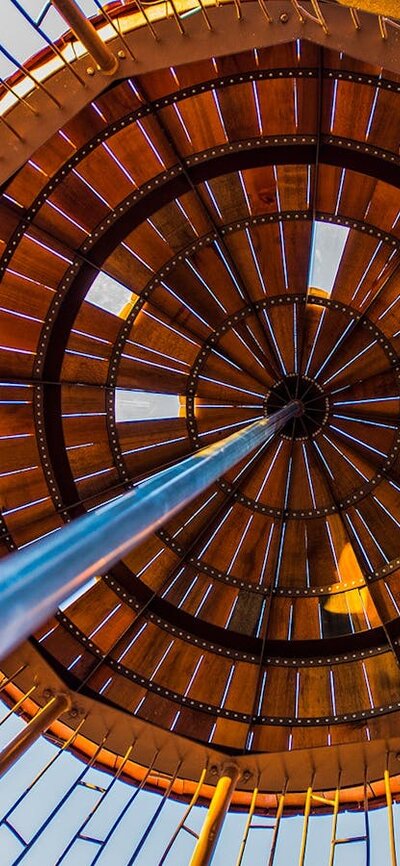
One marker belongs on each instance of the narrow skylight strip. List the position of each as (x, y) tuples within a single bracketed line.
[(120, 165), (257, 107), (219, 112), (92, 188), (344, 457), (295, 341), (105, 620), (340, 190), (98, 111), (185, 214), (261, 695), (250, 462), (385, 312), (308, 193), (371, 534), (170, 328), (333, 105), (364, 421), (332, 689), (332, 547), (195, 514), (368, 400), (372, 113), (283, 254), (181, 121), (288, 480), (66, 216), (193, 677), (204, 283), (279, 562), (105, 686), (358, 441), (238, 547), (386, 511), (270, 468), (185, 304), (155, 445), (310, 484), (295, 103), (48, 249), (317, 333), (244, 190), (188, 591), (226, 689), (213, 199), (392, 598), (156, 352), (232, 387), (150, 143), (325, 462), (157, 230), (150, 562), (367, 684), (277, 349), (132, 642), (173, 582), (261, 617), (7, 511), (255, 261), (231, 426), (175, 720), (236, 333), (85, 355), (231, 612), (211, 539), (136, 256), (352, 360), (229, 269), (359, 542), (162, 659), (297, 694), (334, 349), (204, 599), (368, 267), (266, 554), (290, 623), (18, 315)]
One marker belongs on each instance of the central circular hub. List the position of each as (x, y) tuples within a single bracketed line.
[(312, 398)]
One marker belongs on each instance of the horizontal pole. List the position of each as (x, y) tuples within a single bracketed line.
[(34, 581)]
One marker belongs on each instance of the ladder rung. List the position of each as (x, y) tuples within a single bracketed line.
[(262, 827), (350, 839), (92, 787), (323, 800), (189, 830), (90, 839)]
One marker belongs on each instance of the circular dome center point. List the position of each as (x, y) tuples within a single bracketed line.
[(312, 400)]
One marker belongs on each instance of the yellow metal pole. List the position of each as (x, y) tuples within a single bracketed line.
[(87, 34), (307, 810), (214, 820), (247, 827), (278, 816), (31, 732), (389, 804), (334, 824)]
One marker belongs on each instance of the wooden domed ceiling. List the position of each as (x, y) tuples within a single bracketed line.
[(265, 616)]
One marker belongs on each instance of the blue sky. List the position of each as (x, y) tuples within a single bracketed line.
[(38, 804)]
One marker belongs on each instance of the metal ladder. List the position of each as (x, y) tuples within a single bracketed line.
[(274, 826)]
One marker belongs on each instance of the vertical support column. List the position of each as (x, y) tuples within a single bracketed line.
[(31, 732), (204, 850), (389, 805), (307, 810)]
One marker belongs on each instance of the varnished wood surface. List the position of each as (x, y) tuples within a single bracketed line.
[(264, 617)]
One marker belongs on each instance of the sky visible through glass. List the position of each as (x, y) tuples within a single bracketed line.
[(328, 245)]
